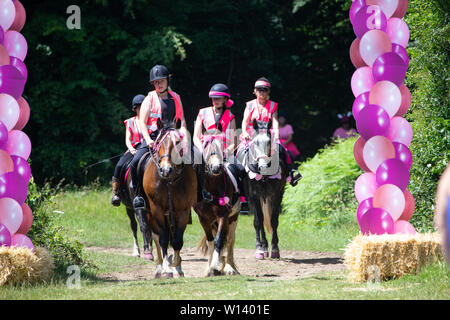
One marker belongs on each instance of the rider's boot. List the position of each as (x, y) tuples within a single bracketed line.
[(115, 200), (295, 177)]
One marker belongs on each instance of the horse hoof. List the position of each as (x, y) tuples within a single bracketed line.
[(275, 254), (158, 275), (266, 254), (168, 275), (259, 256), (148, 256), (136, 254)]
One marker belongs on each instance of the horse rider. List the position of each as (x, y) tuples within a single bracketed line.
[(161, 103), (133, 141), (217, 116), (264, 109)]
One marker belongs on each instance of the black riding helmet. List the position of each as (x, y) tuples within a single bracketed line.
[(159, 72), (219, 90), (137, 100)]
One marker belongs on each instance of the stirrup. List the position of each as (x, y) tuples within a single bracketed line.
[(207, 196), (295, 178), (138, 202)]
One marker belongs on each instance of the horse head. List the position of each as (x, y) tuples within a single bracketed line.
[(167, 148), (261, 145), (213, 150)]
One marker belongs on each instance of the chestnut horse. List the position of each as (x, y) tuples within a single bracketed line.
[(126, 194), (170, 186), (264, 186), (218, 216)]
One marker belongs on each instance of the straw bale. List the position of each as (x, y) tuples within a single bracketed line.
[(23, 266), (383, 257)]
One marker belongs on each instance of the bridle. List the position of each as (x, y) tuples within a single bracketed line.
[(162, 135)]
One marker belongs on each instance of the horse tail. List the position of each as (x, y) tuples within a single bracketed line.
[(267, 213)]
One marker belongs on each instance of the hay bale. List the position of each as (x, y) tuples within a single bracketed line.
[(23, 266), (383, 257)]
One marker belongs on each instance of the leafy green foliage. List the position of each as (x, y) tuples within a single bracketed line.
[(325, 195), (427, 78), (46, 233)]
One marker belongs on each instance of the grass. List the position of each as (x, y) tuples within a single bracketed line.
[(89, 218)]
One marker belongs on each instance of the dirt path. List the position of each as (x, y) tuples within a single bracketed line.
[(292, 265)]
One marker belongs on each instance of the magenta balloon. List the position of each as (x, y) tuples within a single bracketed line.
[(3, 136), (363, 207), (400, 131), (360, 102), (19, 65), (16, 44), (362, 81), (19, 144), (356, 5), (398, 31), (21, 241), (373, 121), (11, 81), (398, 49), (390, 67), (376, 221), (369, 18), (13, 186), (393, 171), (2, 36), (22, 167), (5, 236), (403, 154)]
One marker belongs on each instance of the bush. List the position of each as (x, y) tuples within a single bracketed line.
[(429, 114), (45, 233), (325, 195)]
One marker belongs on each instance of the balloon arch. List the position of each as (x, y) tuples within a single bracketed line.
[(381, 100), (15, 146)]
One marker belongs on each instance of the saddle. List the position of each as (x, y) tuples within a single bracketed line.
[(125, 170)]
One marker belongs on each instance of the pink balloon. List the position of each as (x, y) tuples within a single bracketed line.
[(388, 6), (400, 131), (355, 56), (20, 18), (398, 31), (362, 80), (10, 214), (24, 114), (358, 153), (406, 100), (4, 56), (21, 241), (6, 162), (401, 9), (365, 186), (410, 206), (373, 44), (16, 44), (376, 221), (376, 150), (386, 95), (27, 220), (9, 110), (19, 144), (391, 199), (363, 207), (404, 227), (7, 14), (5, 236)]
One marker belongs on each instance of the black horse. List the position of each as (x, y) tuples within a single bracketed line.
[(126, 195), (264, 185)]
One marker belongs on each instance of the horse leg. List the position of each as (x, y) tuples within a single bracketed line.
[(177, 244), (133, 224), (258, 221), (142, 216), (230, 267), (276, 208), (164, 243), (159, 259), (216, 266), (206, 224)]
